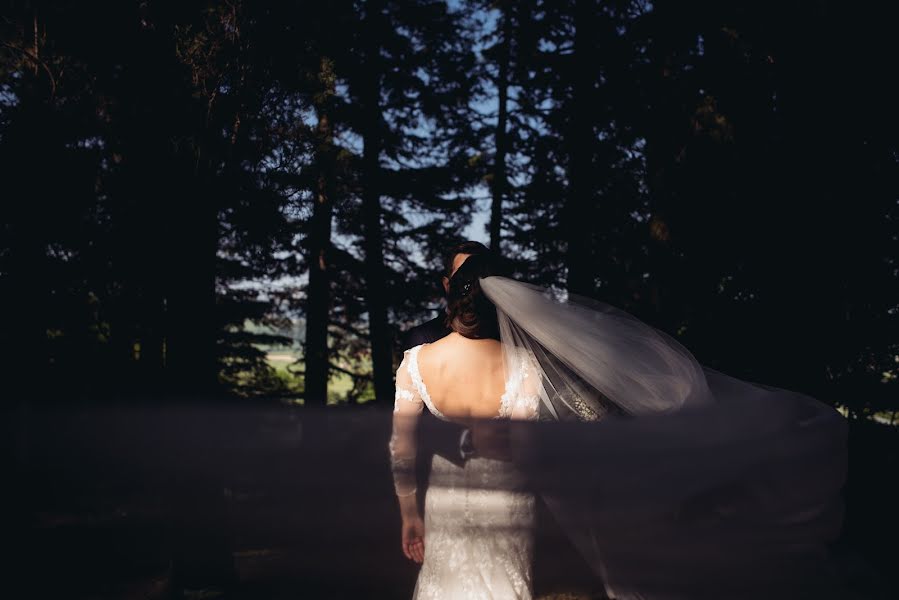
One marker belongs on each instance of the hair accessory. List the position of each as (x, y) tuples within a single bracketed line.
[(466, 288)]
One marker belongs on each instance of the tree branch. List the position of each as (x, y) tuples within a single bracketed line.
[(38, 62)]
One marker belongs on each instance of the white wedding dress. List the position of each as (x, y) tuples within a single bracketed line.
[(672, 480), (479, 520)]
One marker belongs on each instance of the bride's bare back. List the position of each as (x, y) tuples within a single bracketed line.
[(464, 377)]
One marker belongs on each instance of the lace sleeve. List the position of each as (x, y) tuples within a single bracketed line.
[(407, 407)]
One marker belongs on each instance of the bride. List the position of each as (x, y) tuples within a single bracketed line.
[(672, 480)]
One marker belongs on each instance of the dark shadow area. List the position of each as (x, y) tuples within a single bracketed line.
[(170, 500)]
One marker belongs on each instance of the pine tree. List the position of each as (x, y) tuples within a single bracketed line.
[(412, 77)]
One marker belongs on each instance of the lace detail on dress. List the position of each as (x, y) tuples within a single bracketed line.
[(407, 406), (402, 394), (419, 382), (479, 519), (520, 399), (479, 533), (530, 406), (513, 384)]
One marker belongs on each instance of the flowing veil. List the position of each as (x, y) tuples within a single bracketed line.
[(673, 480)]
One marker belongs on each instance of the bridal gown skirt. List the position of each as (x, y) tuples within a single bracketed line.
[(479, 533)]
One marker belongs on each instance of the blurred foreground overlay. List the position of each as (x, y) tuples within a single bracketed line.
[(260, 501)]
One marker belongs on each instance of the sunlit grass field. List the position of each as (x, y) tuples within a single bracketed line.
[(285, 378), (287, 365)]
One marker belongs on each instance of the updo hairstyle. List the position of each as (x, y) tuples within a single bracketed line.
[(469, 312)]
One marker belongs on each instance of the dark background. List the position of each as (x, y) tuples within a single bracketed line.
[(188, 185)]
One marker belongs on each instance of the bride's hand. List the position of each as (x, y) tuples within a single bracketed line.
[(414, 538)]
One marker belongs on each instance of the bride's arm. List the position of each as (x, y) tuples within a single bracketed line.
[(403, 449)]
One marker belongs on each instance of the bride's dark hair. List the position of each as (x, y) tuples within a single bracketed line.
[(469, 312)]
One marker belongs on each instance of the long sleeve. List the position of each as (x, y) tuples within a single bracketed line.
[(403, 445)]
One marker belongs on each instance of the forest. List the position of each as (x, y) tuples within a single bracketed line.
[(189, 183), (250, 201)]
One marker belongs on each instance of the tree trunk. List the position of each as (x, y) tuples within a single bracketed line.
[(500, 183), (152, 340), (376, 296), (319, 242), (578, 219), (190, 300)]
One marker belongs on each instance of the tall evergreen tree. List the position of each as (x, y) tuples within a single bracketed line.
[(319, 243), (411, 90)]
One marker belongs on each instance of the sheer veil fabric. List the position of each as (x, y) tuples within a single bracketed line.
[(672, 479)]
